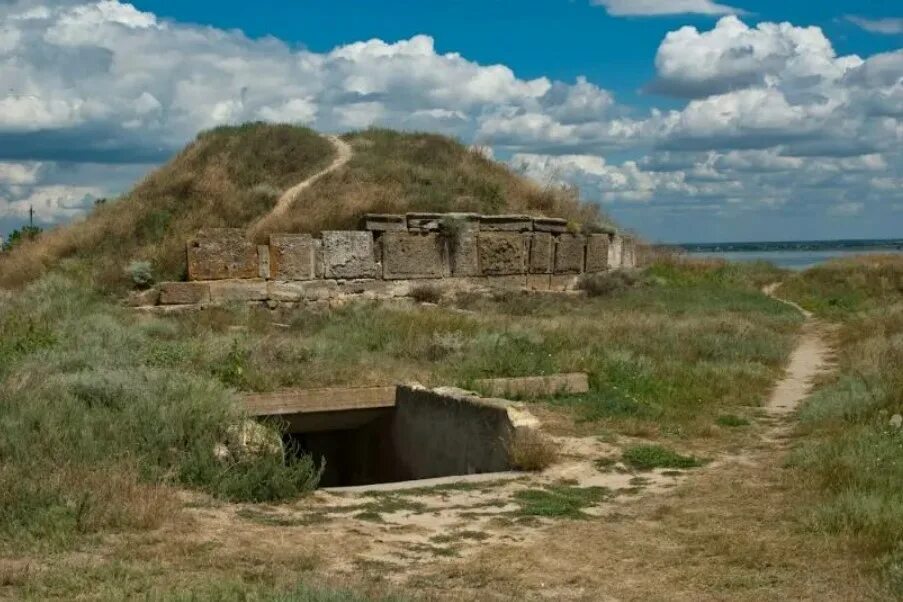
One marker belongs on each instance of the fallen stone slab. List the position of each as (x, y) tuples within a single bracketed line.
[(535, 386)]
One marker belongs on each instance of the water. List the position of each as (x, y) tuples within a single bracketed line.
[(792, 260)]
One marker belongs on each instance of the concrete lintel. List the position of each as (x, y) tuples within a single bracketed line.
[(312, 401)]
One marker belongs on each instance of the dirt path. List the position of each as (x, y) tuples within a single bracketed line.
[(343, 155)]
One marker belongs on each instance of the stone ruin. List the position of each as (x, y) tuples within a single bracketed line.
[(392, 256)]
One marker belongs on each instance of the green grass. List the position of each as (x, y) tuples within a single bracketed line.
[(731, 420), (92, 434), (560, 501), (647, 457), (850, 457)]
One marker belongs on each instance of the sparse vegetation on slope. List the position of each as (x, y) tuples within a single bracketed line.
[(852, 455), (228, 177)]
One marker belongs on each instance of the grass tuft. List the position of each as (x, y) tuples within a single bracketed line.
[(530, 450), (647, 457)]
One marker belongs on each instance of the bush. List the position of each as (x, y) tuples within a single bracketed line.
[(606, 283), (426, 293), (140, 273)]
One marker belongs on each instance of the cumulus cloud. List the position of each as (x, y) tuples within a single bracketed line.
[(646, 8), (888, 26)]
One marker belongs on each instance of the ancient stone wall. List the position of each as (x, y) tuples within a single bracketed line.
[(391, 256)]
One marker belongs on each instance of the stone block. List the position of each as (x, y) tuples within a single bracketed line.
[(628, 253), (425, 222), (569, 254), (144, 298), (502, 253), (225, 291), (563, 282), (539, 282), (597, 252), (383, 222), (348, 254), (413, 255), (464, 256), (220, 254), (555, 225), (506, 223), (309, 290), (292, 257), (263, 261), (615, 249), (541, 251), (514, 282), (184, 293)]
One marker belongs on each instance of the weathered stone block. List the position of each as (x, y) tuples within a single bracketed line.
[(539, 282), (184, 293), (569, 254), (221, 253), (425, 222), (349, 254), (506, 223), (541, 251), (615, 249), (309, 290), (628, 253), (597, 252), (555, 225), (413, 255), (292, 257), (383, 222), (464, 257), (502, 253), (513, 281), (225, 291), (263, 261), (144, 298), (563, 282)]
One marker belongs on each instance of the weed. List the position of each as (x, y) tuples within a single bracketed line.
[(731, 420), (530, 450), (426, 293), (647, 457), (559, 501)]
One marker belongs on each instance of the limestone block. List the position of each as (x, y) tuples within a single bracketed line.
[(464, 256), (263, 261), (383, 222), (502, 253), (425, 222), (348, 254), (144, 298), (292, 257), (569, 254), (555, 225), (225, 291), (184, 293), (506, 223), (220, 254), (309, 290), (381, 289), (539, 282), (413, 255), (541, 247), (597, 252), (615, 249), (563, 282), (513, 281)]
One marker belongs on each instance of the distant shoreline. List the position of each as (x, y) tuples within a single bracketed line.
[(893, 244)]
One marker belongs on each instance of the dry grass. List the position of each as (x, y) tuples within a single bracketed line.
[(227, 177), (392, 172), (530, 450)]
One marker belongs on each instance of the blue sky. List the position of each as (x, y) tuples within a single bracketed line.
[(766, 120)]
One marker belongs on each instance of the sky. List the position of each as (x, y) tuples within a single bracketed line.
[(687, 120)]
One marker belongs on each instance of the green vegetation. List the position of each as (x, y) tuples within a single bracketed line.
[(18, 236), (560, 501), (97, 422), (647, 457), (731, 420), (852, 454)]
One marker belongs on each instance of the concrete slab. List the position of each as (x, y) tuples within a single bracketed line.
[(309, 401)]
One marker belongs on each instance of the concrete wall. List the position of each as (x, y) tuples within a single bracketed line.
[(391, 255)]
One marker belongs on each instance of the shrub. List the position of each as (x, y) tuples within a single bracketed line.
[(140, 273), (426, 293), (529, 449), (647, 457), (605, 283)]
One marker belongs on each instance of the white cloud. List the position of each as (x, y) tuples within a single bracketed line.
[(888, 26), (623, 8), (848, 209)]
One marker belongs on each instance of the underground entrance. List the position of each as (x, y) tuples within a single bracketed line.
[(391, 434)]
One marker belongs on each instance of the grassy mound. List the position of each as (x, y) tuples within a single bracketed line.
[(394, 172), (229, 176), (233, 176)]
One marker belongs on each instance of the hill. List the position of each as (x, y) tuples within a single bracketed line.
[(233, 176)]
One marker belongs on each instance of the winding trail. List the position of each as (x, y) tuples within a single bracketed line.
[(343, 155)]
